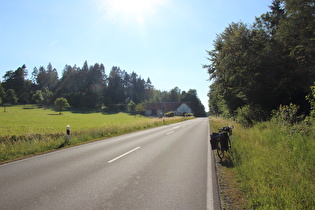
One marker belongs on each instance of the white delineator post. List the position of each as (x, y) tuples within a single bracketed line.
[(68, 132)]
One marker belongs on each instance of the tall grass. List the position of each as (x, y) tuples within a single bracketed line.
[(39, 130), (275, 164)]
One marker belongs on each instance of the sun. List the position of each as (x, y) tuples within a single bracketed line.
[(131, 10)]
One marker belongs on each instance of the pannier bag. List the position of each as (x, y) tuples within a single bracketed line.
[(224, 141), (214, 137), (222, 137)]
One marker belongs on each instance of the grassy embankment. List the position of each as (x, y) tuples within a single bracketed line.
[(26, 131), (273, 165)]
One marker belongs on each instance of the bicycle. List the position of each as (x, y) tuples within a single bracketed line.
[(221, 141)]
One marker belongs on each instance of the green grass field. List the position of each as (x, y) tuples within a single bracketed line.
[(19, 120), (27, 131), (274, 164)]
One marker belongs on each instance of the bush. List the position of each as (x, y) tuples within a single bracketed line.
[(169, 114), (286, 115), (189, 115), (249, 114)]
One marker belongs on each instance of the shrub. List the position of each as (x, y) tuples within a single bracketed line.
[(169, 114), (189, 115), (311, 100), (286, 115), (249, 114)]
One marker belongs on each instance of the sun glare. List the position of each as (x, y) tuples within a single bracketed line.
[(131, 10)]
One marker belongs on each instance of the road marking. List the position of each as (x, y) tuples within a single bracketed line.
[(169, 132), (123, 155)]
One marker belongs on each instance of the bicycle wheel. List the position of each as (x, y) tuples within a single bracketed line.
[(220, 150)]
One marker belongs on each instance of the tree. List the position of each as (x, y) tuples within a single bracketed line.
[(115, 90), (46, 78), (61, 104), (2, 93), (174, 95), (131, 107), (140, 108), (296, 31), (70, 86), (38, 97), (149, 90), (232, 66), (95, 84), (194, 102), (34, 75), (15, 80), (86, 87), (266, 64), (47, 95), (10, 98)]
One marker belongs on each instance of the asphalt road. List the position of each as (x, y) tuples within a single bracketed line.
[(168, 167)]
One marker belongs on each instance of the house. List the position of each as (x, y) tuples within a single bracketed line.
[(157, 109)]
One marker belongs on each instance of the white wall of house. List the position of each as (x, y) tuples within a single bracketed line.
[(183, 108)]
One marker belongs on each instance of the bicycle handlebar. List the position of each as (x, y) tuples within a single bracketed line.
[(227, 128)]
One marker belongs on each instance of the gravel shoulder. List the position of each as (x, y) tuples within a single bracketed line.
[(230, 193)]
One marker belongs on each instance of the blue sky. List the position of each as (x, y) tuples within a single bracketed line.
[(165, 40)]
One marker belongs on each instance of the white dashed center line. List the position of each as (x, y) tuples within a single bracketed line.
[(120, 156), (169, 132)]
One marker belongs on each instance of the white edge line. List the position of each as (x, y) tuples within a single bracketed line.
[(123, 155), (210, 197)]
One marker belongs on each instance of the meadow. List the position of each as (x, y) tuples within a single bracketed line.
[(274, 165), (19, 120), (27, 130)]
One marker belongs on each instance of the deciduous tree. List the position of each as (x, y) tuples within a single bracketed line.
[(265, 64), (61, 104)]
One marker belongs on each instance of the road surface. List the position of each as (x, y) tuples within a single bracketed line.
[(169, 167)]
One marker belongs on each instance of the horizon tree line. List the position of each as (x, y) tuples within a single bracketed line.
[(88, 87)]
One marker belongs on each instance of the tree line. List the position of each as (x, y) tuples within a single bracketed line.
[(256, 68), (88, 87)]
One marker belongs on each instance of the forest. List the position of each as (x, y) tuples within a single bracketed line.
[(256, 68), (90, 88)]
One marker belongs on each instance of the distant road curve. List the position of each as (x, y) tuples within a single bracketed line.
[(169, 167)]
